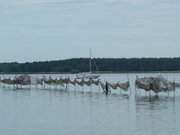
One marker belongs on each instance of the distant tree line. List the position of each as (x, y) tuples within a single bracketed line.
[(98, 65)]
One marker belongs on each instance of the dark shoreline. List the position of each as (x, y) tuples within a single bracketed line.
[(99, 65), (135, 72)]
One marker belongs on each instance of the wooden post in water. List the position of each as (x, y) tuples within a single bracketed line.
[(0, 81), (150, 93), (174, 88), (90, 85), (130, 90), (168, 93), (136, 87)]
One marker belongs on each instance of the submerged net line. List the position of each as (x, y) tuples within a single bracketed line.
[(28, 80), (155, 84), (123, 86)]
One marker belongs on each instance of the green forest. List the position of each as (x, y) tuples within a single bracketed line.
[(98, 65)]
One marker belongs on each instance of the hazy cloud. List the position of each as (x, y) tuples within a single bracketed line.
[(53, 29)]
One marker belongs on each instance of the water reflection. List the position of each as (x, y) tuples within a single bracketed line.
[(156, 102), (17, 92), (87, 111), (155, 113)]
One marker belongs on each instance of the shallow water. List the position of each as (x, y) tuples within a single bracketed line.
[(85, 112)]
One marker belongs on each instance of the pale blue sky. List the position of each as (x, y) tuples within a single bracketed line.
[(34, 30)]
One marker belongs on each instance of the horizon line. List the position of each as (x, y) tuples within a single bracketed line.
[(52, 60)]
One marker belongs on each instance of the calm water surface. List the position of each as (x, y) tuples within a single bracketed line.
[(77, 112)]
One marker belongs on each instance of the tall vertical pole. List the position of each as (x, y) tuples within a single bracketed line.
[(90, 62)]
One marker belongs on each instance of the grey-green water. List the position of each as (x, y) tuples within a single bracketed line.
[(82, 112)]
